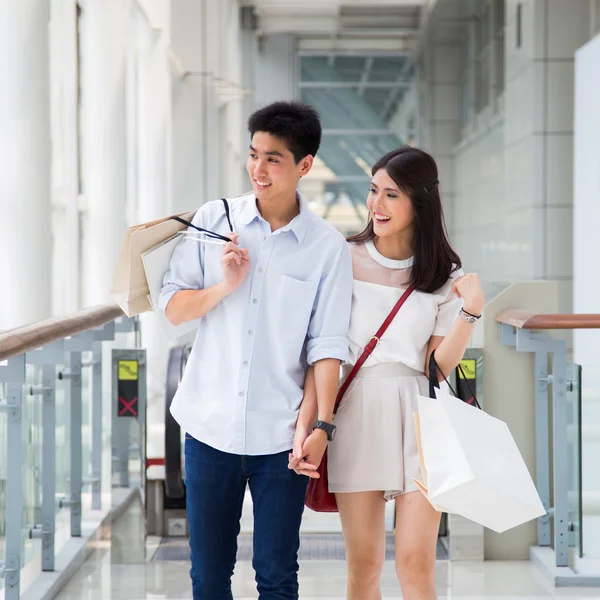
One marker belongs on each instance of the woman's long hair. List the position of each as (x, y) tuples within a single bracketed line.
[(415, 173)]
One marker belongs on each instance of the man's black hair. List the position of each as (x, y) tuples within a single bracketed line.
[(296, 123)]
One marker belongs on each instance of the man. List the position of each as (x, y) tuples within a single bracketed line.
[(273, 301)]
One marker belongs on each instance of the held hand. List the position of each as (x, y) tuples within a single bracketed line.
[(297, 461), (312, 453), (469, 289), (235, 263)]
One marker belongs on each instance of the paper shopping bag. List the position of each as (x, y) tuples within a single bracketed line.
[(473, 466), (129, 286)]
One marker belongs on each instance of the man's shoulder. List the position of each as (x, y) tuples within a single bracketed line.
[(214, 209), (325, 231)]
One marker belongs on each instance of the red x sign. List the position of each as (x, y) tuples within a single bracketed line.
[(127, 406)]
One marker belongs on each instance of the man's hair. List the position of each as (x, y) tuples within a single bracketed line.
[(296, 123)]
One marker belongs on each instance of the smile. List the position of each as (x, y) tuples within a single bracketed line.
[(381, 218), (262, 184)]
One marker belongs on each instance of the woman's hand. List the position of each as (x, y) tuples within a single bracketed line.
[(469, 289)]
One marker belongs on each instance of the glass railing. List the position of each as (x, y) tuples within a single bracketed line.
[(558, 394), (58, 426)]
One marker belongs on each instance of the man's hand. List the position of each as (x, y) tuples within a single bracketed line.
[(307, 460), (296, 458), (235, 263)]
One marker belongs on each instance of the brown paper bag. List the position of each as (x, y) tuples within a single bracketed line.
[(129, 286)]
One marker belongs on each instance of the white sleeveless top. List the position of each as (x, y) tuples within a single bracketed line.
[(378, 284)]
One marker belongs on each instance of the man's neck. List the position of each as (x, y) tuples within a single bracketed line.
[(279, 212)]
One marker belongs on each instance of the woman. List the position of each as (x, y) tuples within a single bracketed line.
[(374, 457)]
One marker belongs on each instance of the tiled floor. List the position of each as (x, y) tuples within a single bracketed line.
[(121, 569)]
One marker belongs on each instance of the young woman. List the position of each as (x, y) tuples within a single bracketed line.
[(373, 457)]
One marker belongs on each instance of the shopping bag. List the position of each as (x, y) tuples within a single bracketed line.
[(156, 263), (129, 286), (471, 465)]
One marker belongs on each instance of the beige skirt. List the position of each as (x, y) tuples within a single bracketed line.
[(375, 447)]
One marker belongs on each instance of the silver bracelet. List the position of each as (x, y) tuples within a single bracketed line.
[(468, 317)]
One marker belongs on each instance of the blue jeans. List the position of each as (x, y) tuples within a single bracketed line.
[(215, 484)]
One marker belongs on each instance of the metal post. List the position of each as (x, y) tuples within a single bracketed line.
[(48, 465), (96, 451), (142, 420), (134, 374), (76, 440), (104, 333), (542, 442), (561, 466), (14, 374)]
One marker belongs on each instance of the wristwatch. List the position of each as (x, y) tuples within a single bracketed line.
[(328, 428), (468, 317)]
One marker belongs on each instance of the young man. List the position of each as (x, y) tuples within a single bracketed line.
[(273, 301)]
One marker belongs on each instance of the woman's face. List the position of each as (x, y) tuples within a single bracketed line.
[(391, 209)]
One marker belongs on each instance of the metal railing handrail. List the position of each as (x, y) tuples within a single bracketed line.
[(35, 335), (523, 319)]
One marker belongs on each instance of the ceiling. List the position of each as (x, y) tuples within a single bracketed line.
[(398, 18)]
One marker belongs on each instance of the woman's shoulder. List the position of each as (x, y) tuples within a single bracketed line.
[(446, 290)]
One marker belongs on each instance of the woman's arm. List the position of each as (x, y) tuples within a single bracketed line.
[(450, 349)]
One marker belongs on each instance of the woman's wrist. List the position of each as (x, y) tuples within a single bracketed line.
[(473, 310)]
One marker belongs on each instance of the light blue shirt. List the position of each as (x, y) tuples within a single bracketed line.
[(242, 386)]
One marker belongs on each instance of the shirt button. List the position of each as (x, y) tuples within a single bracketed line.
[(254, 301), (260, 269), (241, 394), (245, 363), (250, 332)]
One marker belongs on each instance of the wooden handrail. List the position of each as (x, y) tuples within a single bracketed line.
[(522, 319), (29, 337)]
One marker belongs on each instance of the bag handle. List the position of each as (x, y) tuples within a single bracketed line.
[(373, 342), (434, 368), (209, 233)]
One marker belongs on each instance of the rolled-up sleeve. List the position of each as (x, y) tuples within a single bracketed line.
[(328, 328), (186, 267)]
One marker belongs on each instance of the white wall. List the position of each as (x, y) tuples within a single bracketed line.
[(586, 268)]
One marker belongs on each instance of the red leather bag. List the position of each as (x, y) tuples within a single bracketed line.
[(318, 496)]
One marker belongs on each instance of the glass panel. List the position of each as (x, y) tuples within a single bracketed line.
[(63, 436), (574, 453), (86, 419), (591, 450), (3, 450)]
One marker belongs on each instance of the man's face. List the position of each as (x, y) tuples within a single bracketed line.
[(272, 168)]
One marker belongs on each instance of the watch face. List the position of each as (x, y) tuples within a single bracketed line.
[(332, 434)]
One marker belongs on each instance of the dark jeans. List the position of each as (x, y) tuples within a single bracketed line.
[(215, 484)]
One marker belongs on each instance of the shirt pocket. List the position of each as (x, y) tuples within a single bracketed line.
[(296, 299)]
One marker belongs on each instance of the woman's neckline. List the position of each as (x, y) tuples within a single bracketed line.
[(385, 261)]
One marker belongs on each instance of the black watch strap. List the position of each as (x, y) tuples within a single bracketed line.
[(328, 428)]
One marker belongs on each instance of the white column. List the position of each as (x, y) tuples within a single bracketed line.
[(153, 114), (103, 144), (25, 217)]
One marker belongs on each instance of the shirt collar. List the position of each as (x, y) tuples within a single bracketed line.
[(298, 225)]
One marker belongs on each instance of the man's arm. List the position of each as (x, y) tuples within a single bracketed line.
[(189, 304), (327, 347)]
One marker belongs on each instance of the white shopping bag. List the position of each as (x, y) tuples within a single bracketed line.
[(471, 465), (156, 263)]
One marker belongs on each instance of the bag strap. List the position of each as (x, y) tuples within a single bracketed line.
[(207, 232), (434, 369), (373, 342), (226, 204)]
